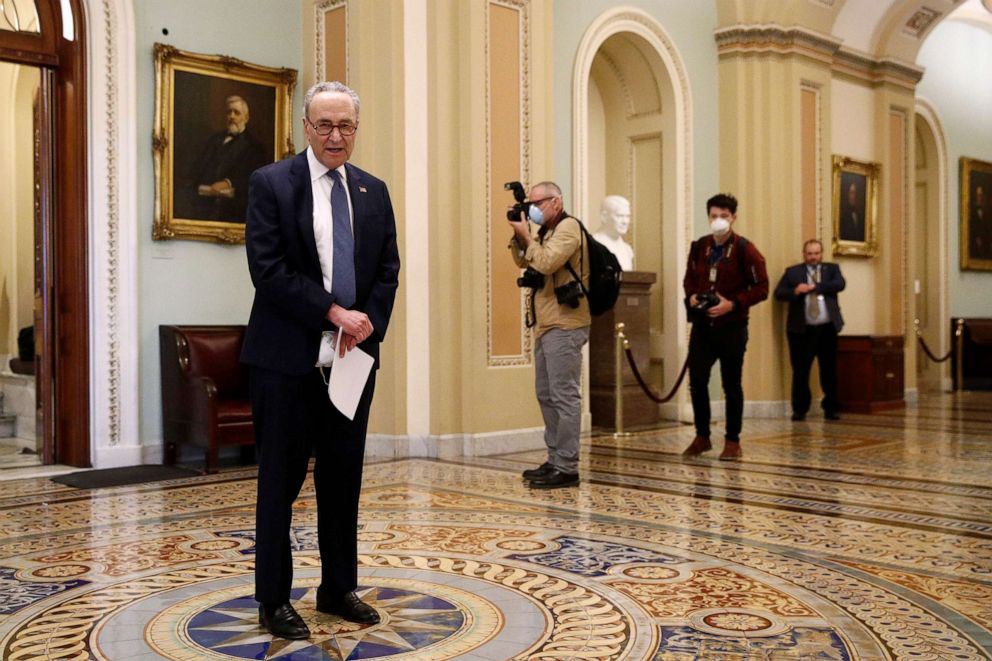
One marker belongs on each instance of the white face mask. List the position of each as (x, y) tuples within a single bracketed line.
[(719, 226)]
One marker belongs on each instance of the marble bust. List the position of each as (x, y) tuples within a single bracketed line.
[(615, 217)]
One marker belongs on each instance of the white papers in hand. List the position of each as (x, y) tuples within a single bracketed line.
[(348, 378)]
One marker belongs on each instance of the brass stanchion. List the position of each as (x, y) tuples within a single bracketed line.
[(959, 349), (620, 344)]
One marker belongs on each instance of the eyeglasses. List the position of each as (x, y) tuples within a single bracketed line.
[(543, 199), (326, 128)]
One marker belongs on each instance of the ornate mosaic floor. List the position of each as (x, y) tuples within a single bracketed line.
[(870, 538)]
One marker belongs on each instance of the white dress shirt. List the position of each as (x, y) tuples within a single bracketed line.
[(823, 317), (323, 221)]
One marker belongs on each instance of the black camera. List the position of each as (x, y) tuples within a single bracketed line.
[(569, 294), (706, 300), (521, 207), (531, 278)]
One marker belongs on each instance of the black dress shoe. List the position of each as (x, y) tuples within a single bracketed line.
[(347, 606), (540, 471), (830, 415), (798, 417), (283, 622), (555, 480)]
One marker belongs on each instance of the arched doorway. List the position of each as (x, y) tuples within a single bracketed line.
[(631, 108), (42, 41), (928, 281)]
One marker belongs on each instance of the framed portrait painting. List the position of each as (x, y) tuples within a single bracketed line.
[(217, 119), (976, 215), (855, 205)]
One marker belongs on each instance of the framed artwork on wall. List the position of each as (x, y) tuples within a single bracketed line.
[(976, 215), (217, 119), (855, 206)]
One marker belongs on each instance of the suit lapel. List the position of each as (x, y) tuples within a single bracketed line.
[(356, 190), (302, 190)]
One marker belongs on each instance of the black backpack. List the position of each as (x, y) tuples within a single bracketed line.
[(605, 275)]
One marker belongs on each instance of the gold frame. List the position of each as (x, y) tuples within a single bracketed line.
[(169, 60), (870, 171), (969, 167)]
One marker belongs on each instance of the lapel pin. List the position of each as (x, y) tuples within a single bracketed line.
[(362, 189)]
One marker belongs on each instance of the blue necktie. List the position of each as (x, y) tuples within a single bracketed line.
[(343, 271)]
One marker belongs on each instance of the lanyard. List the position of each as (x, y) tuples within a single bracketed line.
[(713, 259)]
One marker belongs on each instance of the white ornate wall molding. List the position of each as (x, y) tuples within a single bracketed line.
[(113, 267), (633, 21), (928, 113), (320, 11)]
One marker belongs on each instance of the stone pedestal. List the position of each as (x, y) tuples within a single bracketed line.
[(632, 310)]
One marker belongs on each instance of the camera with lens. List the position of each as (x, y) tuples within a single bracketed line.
[(521, 207), (705, 301), (531, 278), (569, 294)]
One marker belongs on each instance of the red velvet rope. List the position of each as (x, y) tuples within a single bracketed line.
[(930, 355), (647, 391)]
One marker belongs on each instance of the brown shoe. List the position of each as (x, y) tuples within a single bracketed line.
[(731, 451), (699, 445)]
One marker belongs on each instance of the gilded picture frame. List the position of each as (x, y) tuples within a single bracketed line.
[(976, 215), (855, 207), (217, 119)]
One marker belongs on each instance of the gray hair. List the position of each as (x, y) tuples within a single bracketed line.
[(329, 86), (234, 98), (555, 190)]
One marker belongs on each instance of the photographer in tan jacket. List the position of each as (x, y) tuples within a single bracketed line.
[(560, 313)]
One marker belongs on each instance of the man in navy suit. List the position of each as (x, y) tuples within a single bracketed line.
[(812, 326), (321, 242)]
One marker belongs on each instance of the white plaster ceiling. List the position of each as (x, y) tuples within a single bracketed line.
[(856, 22)]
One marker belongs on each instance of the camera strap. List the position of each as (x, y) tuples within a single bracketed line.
[(582, 257)]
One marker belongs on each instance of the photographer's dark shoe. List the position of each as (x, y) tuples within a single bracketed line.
[(831, 415), (283, 622), (540, 471), (347, 606), (555, 480), (798, 417), (699, 445)]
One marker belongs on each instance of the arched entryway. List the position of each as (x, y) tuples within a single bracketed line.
[(631, 105), (42, 45), (928, 282)]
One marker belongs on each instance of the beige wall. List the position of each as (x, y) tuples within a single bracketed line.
[(18, 85)]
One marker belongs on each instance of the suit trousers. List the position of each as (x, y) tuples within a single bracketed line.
[(293, 420), (818, 342), (707, 344)]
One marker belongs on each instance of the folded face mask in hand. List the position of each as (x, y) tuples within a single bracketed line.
[(328, 340)]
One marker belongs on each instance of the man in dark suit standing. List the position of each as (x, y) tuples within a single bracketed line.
[(218, 185), (812, 326), (321, 241)]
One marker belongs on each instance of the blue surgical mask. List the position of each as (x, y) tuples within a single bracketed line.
[(535, 214)]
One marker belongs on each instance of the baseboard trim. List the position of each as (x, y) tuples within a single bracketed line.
[(446, 446)]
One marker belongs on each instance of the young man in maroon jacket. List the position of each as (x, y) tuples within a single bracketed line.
[(725, 276)]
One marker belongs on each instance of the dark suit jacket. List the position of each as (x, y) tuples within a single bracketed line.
[(235, 161), (852, 226), (290, 305), (831, 282)]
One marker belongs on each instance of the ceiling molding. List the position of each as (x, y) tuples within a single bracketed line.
[(775, 39)]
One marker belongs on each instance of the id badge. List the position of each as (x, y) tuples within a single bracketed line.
[(712, 274)]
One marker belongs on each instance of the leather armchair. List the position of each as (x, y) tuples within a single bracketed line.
[(205, 398)]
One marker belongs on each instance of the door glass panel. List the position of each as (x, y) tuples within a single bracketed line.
[(20, 148), (19, 16)]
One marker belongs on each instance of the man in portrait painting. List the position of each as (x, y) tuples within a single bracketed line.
[(217, 183), (979, 225), (852, 207)]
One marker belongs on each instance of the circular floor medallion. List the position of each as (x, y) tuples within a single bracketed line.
[(417, 618), (737, 622)]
